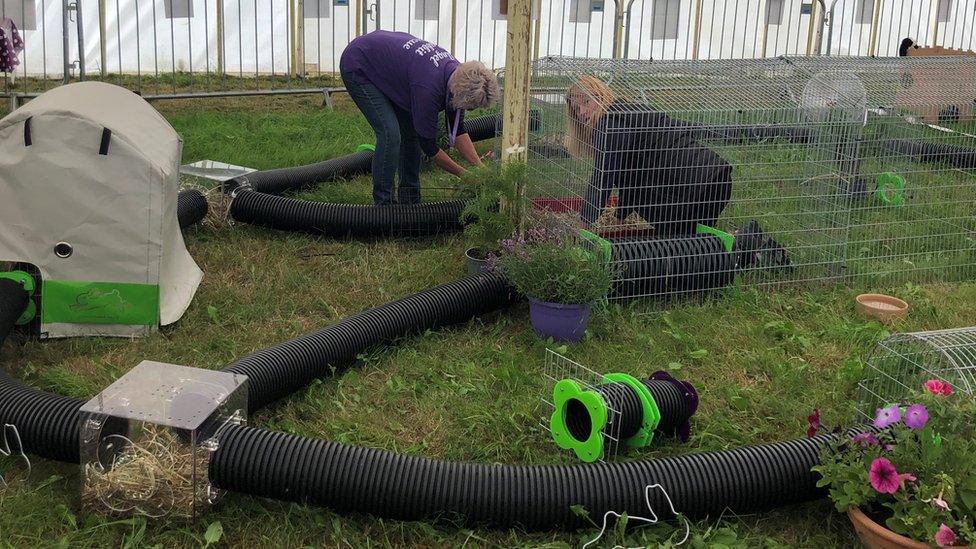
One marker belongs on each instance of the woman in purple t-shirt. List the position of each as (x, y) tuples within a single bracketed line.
[(401, 83)]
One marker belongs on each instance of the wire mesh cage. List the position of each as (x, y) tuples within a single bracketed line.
[(902, 363), (656, 156), (914, 215), (824, 169)]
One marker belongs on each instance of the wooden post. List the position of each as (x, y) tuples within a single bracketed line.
[(515, 111)]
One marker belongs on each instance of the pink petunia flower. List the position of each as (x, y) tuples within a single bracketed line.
[(887, 416), (883, 476), (945, 537), (938, 387), (916, 416)]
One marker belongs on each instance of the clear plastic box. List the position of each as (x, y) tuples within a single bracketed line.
[(147, 439)]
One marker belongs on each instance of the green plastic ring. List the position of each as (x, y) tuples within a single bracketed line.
[(591, 448), (896, 184), (365, 147), (652, 415), (29, 313), (27, 281)]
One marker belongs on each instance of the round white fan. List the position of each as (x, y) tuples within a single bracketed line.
[(834, 96)]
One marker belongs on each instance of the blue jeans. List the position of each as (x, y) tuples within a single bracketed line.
[(397, 146)]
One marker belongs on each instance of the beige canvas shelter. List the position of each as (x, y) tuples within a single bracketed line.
[(89, 177)]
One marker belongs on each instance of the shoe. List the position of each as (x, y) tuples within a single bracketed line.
[(753, 249), (746, 243)]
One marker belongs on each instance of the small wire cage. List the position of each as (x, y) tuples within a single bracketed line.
[(825, 169), (902, 363), (558, 368)]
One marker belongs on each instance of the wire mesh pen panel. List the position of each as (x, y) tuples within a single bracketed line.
[(664, 159), (913, 216), (902, 363)]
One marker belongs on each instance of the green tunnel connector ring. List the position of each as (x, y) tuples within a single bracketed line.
[(896, 184), (652, 415), (728, 240), (590, 449), (365, 147), (27, 281)]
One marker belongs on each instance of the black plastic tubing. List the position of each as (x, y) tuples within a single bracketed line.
[(280, 370), (350, 478), (671, 266), (953, 155), (285, 179), (264, 463), (280, 180), (191, 207), (341, 220), (47, 423)]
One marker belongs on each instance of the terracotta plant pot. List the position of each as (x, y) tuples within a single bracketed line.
[(876, 536), (882, 307)]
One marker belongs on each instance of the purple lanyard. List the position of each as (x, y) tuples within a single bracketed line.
[(452, 131)]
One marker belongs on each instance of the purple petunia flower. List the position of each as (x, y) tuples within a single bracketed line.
[(916, 416), (865, 439), (887, 416)]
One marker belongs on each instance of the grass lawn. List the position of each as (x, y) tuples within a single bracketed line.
[(762, 362)]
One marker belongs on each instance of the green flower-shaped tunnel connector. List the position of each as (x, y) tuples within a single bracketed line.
[(586, 441), (652, 415)]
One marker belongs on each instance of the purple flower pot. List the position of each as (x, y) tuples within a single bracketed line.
[(559, 321)]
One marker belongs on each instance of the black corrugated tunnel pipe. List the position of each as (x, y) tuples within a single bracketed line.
[(280, 180), (280, 370), (921, 151), (674, 409), (47, 424), (670, 266), (191, 207), (342, 220), (264, 463), (386, 484)]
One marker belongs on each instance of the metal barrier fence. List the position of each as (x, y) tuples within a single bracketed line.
[(191, 48)]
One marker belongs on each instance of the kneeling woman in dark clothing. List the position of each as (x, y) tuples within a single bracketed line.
[(658, 168)]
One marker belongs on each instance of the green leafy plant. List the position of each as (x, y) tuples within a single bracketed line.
[(546, 264), (917, 473), (491, 214)]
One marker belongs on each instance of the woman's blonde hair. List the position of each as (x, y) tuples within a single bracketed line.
[(473, 86), (579, 134)]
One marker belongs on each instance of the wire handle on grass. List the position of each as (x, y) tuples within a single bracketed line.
[(11, 446), (653, 520)]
